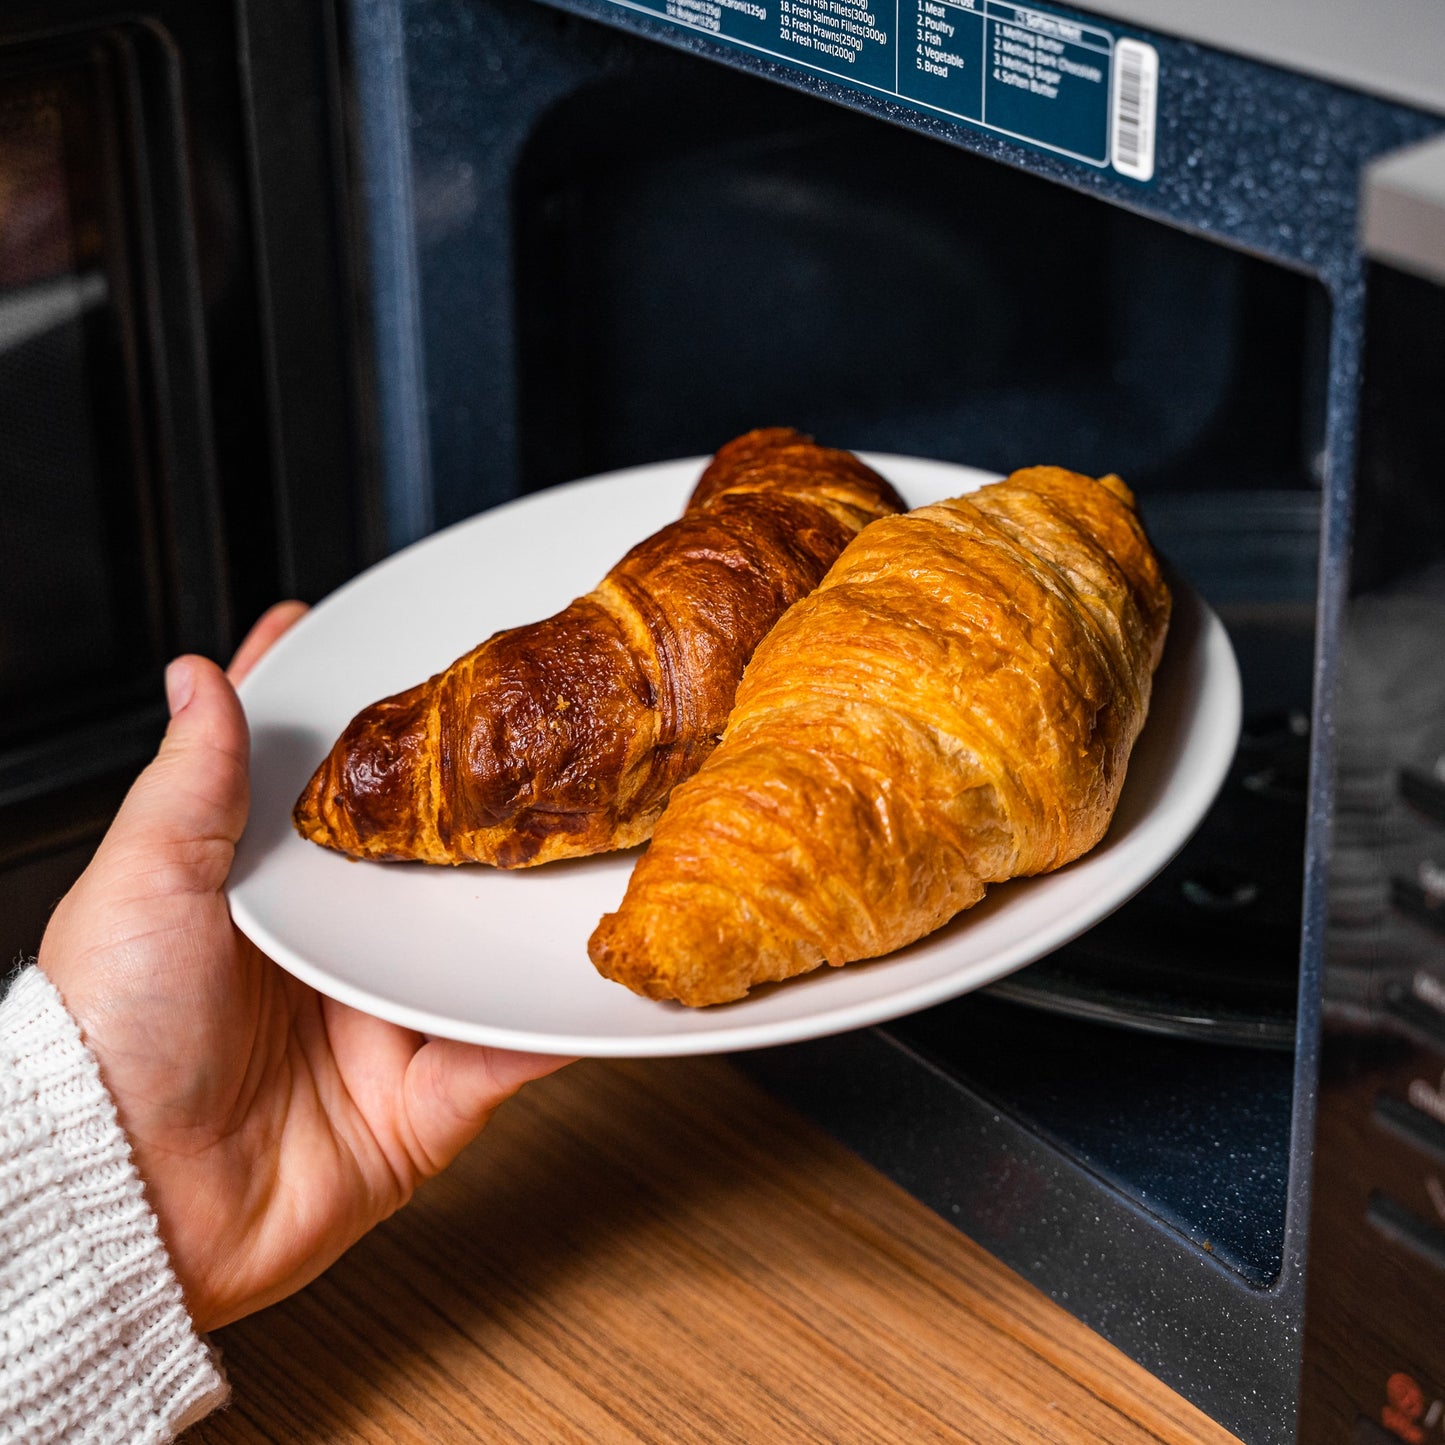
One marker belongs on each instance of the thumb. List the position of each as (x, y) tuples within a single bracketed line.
[(159, 870), (452, 1089), (186, 811)]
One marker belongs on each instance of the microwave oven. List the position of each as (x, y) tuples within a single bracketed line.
[(284, 287)]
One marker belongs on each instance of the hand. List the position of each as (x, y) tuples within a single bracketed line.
[(272, 1126)]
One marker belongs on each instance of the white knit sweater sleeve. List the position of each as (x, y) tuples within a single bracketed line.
[(95, 1341)]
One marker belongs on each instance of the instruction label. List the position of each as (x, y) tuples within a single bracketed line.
[(1031, 73)]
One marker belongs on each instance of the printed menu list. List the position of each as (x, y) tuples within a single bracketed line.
[(840, 31), (1018, 69), (1012, 68), (842, 37)]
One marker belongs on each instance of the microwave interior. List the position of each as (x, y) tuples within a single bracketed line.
[(779, 260), (679, 252)]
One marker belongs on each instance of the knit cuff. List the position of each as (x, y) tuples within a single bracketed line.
[(95, 1340)]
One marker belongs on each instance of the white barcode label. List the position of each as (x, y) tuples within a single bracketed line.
[(1135, 98)]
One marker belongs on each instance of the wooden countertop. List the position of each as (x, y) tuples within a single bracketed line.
[(661, 1252)]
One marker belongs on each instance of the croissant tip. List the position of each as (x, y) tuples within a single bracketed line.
[(1120, 488), (653, 954), (621, 961), (308, 815)]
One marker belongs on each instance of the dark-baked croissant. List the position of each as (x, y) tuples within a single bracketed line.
[(566, 736), (955, 705)]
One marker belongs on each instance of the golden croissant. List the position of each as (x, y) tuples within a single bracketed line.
[(955, 705), (565, 737)]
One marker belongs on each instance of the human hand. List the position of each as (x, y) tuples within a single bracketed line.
[(272, 1126)]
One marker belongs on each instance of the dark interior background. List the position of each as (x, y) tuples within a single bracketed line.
[(185, 439), (778, 260)]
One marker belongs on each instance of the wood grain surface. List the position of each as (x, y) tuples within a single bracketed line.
[(661, 1252)]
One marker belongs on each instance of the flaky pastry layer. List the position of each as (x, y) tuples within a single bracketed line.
[(566, 737), (954, 705)]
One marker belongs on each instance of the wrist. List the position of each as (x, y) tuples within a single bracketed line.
[(101, 1335)]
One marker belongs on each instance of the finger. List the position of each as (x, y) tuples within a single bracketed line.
[(452, 1089), (263, 634), (187, 809)]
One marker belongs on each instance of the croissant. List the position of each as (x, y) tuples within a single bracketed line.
[(955, 705), (565, 737)]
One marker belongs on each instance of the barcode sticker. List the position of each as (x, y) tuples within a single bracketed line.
[(1136, 93)]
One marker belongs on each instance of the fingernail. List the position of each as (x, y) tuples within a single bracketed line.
[(180, 684)]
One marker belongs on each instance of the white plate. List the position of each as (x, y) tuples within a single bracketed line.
[(500, 958)]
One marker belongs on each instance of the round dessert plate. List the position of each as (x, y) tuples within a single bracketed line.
[(495, 957)]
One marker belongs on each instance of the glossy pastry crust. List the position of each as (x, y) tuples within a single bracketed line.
[(566, 736), (955, 705)]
